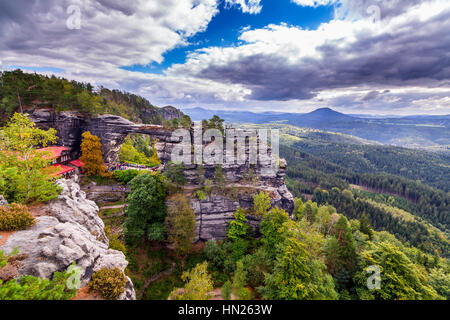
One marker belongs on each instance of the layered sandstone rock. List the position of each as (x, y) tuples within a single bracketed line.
[(112, 130), (70, 231)]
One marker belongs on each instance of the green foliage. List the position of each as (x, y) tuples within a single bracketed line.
[(110, 283), (199, 284), (257, 265), (215, 254), (156, 231), (114, 242), (261, 204), (365, 226), (33, 288), (298, 275), (238, 228), (400, 278), (214, 123), (298, 209), (24, 176), (180, 224), (61, 94), (125, 176), (186, 122), (146, 209), (5, 257), (440, 281), (239, 278), (175, 173), (271, 231), (226, 290), (200, 195), (402, 224), (340, 251)]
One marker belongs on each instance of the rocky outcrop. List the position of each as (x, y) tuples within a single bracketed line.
[(214, 213), (112, 130), (70, 231)]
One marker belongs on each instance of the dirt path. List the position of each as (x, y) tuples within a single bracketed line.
[(119, 206), (116, 188)]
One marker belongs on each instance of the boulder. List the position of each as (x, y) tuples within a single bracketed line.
[(73, 233)]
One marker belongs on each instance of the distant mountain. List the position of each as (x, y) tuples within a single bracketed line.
[(324, 114), (427, 132)]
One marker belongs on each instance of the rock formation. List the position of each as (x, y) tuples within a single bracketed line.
[(242, 182), (70, 230), (213, 213), (112, 130)]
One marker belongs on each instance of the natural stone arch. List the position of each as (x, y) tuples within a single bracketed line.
[(111, 129)]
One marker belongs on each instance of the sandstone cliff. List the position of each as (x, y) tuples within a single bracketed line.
[(69, 230), (112, 130)]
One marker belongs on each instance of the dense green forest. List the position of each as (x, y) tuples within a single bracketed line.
[(402, 191), (20, 91)]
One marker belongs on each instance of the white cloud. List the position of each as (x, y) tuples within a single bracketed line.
[(314, 3), (247, 6), (348, 64)]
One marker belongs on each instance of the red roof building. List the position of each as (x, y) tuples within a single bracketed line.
[(56, 154), (63, 170), (77, 163)]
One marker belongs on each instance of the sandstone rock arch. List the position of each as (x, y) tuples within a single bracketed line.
[(111, 129)]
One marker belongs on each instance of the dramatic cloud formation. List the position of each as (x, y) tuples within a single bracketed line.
[(387, 56)]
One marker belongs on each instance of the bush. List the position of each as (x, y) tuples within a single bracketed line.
[(114, 242), (125, 176), (225, 292), (245, 294), (200, 195), (16, 217), (33, 288), (110, 283)]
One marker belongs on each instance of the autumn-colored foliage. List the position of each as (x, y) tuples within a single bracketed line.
[(15, 217), (91, 154)]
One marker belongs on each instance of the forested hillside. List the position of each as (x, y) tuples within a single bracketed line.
[(398, 190), (20, 91), (424, 132)]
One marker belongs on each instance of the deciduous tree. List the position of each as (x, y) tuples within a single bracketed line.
[(91, 154)]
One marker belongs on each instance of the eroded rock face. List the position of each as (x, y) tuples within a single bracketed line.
[(72, 231), (112, 130), (214, 214)]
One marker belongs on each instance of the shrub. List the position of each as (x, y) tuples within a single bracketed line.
[(114, 242), (200, 195), (110, 283), (125, 176), (33, 288), (225, 292), (245, 294), (16, 217)]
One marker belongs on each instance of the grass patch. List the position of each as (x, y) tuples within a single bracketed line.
[(160, 290)]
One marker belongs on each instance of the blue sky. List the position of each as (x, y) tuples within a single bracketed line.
[(225, 27)]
